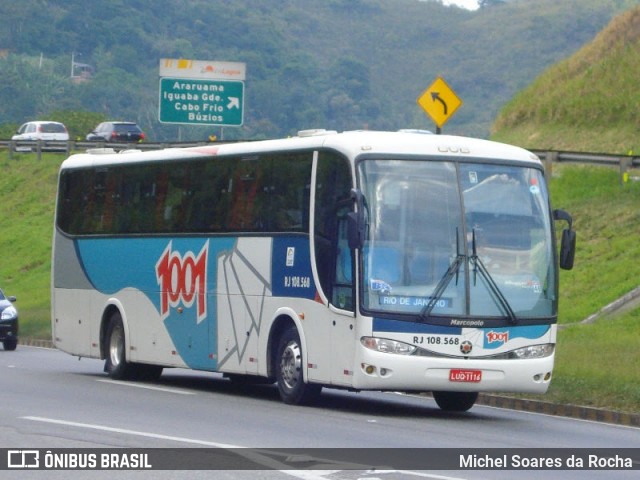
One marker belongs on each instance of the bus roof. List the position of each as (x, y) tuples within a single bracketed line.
[(351, 143)]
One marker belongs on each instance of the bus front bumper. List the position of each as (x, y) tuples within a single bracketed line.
[(382, 371)]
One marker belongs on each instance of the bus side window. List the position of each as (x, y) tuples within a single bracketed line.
[(332, 203), (100, 193), (344, 264), (147, 202), (245, 197), (288, 193), (342, 288)]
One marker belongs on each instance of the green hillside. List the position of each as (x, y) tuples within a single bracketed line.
[(27, 193), (588, 102), (335, 64)]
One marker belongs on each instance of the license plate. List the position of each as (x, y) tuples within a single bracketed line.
[(465, 376)]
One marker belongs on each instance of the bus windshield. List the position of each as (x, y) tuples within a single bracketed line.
[(457, 239)]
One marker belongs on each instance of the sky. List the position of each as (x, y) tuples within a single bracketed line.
[(468, 4)]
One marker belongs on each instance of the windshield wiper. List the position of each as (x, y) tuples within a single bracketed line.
[(442, 285), (478, 266)]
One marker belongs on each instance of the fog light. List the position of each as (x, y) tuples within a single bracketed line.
[(383, 372), (547, 377), (369, 369)]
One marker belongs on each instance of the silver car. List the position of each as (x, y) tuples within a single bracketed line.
[(41, 130)]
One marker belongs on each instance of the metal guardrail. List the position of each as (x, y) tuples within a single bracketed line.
[(623, 162), (588, 158), (40, 146)]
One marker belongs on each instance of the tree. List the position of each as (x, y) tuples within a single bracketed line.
[(78, 123)]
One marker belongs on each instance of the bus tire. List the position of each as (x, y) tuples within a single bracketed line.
[(247, 379), (289, 371), (455, 401), (116, 364), (147, 372)]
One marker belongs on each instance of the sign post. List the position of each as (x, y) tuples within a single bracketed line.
[(440, 102)]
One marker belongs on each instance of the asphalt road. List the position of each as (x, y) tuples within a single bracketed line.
[(50, 400)]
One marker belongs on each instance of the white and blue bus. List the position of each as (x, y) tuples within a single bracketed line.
[(360, 260)]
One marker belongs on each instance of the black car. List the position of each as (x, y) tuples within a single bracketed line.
[(8, 322), (116, 132)]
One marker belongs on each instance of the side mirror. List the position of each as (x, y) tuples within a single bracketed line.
[(567, 249), (568, 242), (354, 231), (355, 221)]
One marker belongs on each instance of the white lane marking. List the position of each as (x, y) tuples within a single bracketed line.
[(129, 432), (250, 454), (148, 387), (541, 414), (417, 474), (566, 419)]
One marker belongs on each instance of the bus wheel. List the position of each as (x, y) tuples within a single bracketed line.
[(455, 401), (289, 375), (148, 373), (116, 364)]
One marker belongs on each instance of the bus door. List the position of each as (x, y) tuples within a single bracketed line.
[(342, 304), (334, 265)]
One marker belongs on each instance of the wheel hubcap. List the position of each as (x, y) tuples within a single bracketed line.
[(290, 365), (116, 346)]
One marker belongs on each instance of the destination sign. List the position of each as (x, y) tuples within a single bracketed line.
[(410, 301)]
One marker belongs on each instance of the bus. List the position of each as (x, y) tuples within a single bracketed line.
[(364, 260)]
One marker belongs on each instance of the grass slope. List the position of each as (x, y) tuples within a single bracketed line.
[(587, 102), (27, 196), (597, 364)]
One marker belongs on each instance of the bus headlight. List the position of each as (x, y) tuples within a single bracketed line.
[(533, 351), (387, 346)]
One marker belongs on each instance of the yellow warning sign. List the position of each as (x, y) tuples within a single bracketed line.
[(439, 101)]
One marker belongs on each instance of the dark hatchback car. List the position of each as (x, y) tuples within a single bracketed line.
[(8, 322), (116, 132)]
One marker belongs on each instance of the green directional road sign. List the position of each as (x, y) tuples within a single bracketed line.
[(201, 102)]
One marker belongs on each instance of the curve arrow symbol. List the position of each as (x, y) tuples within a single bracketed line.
[(234, 102), (436, 96)]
